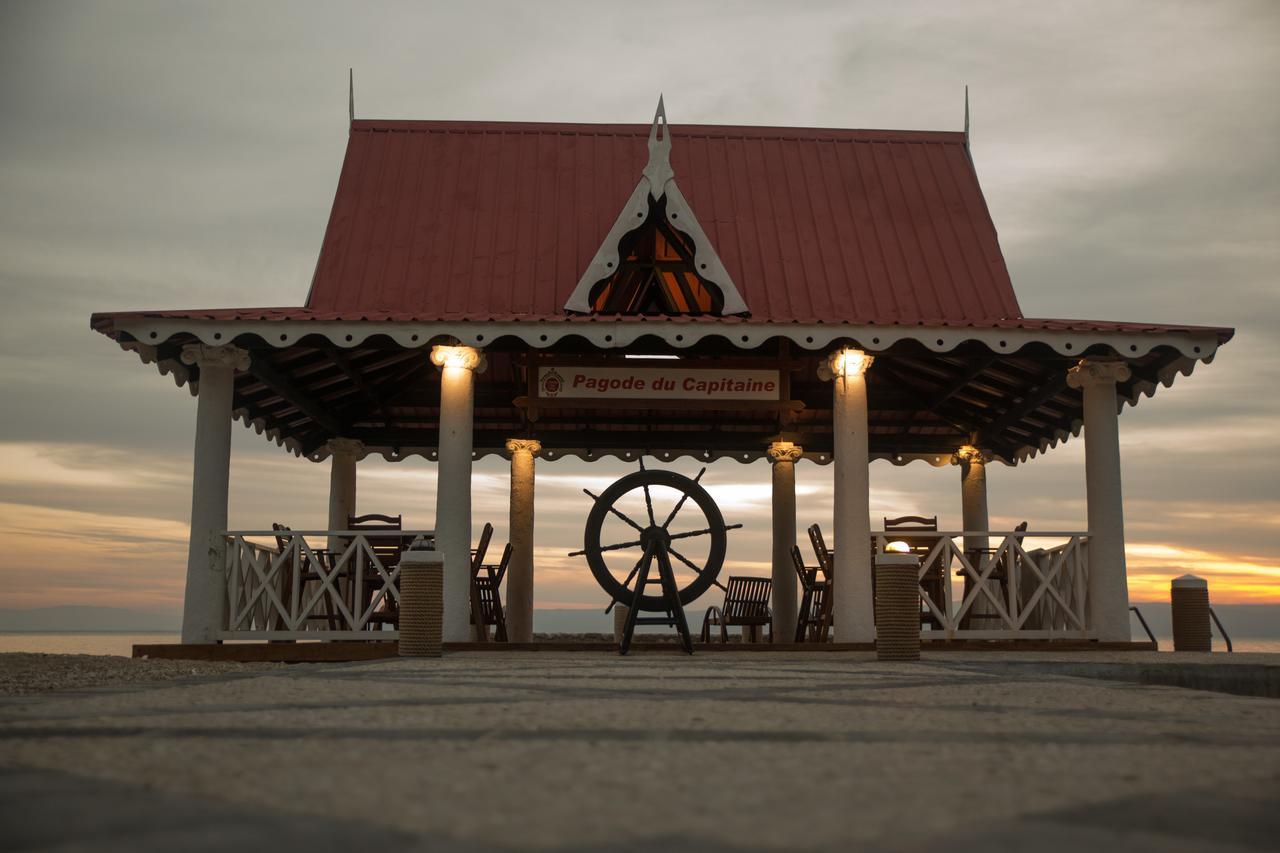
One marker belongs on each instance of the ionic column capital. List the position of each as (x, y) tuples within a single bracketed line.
[(970, 455), (346, 446), (1089, 372), (523, 445), (846, 363), (468, 358), (784, 451), (225, 355)]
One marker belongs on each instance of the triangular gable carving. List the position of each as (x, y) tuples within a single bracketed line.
[(656, 258)]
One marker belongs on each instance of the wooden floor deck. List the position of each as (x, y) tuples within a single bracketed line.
[(319, 652)]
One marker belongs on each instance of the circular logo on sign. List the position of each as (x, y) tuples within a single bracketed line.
[(551, 383)]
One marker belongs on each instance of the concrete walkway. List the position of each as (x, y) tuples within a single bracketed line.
[(510, 751)]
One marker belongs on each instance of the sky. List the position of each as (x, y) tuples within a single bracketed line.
[(180, 155)]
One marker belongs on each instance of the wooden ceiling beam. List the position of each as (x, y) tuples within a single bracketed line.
[(1049, 388), (956, 385), (371, 396), (267, 374)]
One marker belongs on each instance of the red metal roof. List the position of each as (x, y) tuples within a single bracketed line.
[(440, 221), (476, 221)]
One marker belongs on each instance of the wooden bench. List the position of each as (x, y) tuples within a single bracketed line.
[(746, 603)]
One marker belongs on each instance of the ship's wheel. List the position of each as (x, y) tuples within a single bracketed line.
[(655, 522)]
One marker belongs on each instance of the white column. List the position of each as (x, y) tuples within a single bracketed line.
[(783, 456), (453, 483), (519, 607), (343, 454), (205, 605), (853, 607), (1108, 577), (973, 493), (973, 511)]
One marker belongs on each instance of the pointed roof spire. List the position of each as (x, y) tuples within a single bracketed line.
[(966, 116), (656, 182), (351, 95), (658, 169)]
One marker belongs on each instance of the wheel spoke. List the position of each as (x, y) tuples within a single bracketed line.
[(614, 511), (682, 558), (706, 531), (618, 547), (648, 500), (684, 496), (634, 569)]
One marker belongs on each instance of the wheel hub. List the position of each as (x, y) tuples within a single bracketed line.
[(654, 537)]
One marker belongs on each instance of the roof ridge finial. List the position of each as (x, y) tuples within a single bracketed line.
[(966, 116), (351, 95), (658, 169), (659, 113)]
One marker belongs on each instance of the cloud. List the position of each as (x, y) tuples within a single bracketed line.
[(162, 156)]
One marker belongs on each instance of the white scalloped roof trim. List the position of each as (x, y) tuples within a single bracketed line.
[(211, 335), (617, 334)]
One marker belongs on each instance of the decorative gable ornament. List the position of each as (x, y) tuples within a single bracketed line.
[(656, 258)]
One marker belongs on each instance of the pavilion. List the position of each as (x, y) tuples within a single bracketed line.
[(520, 289)]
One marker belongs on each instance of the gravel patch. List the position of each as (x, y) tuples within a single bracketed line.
[(22, 673)]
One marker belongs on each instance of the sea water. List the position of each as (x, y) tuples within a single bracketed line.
[(109, 643), (81, 643)]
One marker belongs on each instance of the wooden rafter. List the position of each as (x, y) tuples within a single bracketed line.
[(294, 395), (1052, 386), (958, 384), (371, 396)]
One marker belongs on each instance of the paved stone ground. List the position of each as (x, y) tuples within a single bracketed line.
[(24, 672), (729, 751)]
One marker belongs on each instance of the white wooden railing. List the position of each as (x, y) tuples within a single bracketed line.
[(314, 584), (1023, 585)]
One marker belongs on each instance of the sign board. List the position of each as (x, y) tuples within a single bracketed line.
[(656, 383)]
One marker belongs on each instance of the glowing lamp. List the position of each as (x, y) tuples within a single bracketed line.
[(849, 362), (447, 356), (897, 547)]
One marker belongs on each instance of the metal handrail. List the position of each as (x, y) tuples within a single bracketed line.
[(1133, 608), (1221, 630)]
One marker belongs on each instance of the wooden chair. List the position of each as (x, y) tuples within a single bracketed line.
[(914, 524), (932, 583), (746, 603), (998, 576), (307, 574), (813, 600), (483, 615), (388, 550), (284, 580), (826, 557), (486, 594), (827, 565)]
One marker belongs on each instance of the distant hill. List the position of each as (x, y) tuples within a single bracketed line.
[(71, 618)]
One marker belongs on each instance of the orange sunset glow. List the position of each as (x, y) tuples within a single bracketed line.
[(121, 533)]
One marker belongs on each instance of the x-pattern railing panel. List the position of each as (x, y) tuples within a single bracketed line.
[(297, 587), (1029, 590)]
